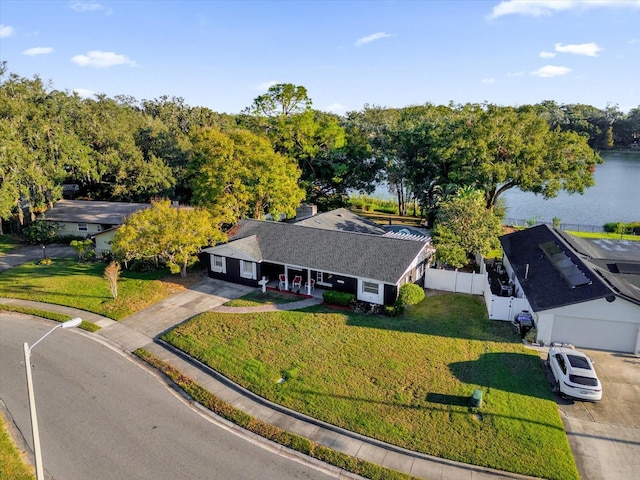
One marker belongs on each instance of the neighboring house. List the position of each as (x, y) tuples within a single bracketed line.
[(103, 240), (581, 291), (84, 218), (371, 266)]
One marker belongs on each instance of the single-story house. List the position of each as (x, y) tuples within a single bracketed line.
[(84, 218), (585, 292), (370, 265)]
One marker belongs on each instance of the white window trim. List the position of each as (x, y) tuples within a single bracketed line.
[(366, 284), (243, 270), (218, 268), (320, 277)]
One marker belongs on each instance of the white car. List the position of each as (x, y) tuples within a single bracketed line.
[(574, 374)]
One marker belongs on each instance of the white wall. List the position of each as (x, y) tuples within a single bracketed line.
[(103, 242), (71, 228), (455, 281)]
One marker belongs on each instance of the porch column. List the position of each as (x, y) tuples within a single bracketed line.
[(309, 281), (286, 278)]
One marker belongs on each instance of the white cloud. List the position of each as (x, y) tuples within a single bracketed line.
[(37, 51), (89, 6), (547, 54), (488, 81), (589, 49), (84, 92), (515, 74), (538, 8), (549, 71), (263, 87), (6, 31), (98, 59), (335, 108), (634, 40), (372, 38)]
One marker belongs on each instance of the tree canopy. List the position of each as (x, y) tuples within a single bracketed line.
[(166, 235), (464, 227), (123, 149), (237, 174)]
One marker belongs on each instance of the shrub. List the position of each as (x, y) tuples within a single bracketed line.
[(341, 299), (40, 232), (410, 294), (391, 310)]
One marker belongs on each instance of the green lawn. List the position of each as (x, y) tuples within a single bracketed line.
[(406, 380), (257, 298), (8, 242), (12, 463), (80, 285)]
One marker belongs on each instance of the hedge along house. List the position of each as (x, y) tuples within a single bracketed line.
[(371, 266), (581, 291)]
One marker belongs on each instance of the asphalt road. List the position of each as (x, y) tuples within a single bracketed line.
[(103, 416)]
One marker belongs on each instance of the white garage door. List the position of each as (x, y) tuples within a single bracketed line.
[(598, 334)]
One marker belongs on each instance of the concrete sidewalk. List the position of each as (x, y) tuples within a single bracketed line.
[(144, 328)]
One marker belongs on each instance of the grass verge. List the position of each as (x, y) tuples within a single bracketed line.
[(405, 381), (81, 285), (13, 465), (58, 317), (270, 432)]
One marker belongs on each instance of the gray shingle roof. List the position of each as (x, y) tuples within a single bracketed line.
[(350, 254), (342, 219), (83, 211), (544, 286)]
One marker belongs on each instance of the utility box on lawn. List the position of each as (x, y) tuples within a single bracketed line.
[(476, 398)]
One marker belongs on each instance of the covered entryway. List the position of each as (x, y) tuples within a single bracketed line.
[(601, 334)]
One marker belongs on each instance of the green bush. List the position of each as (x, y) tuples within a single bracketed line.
[(40, 232), (410, 294), (391, 310), (341, 299), (621, 227)]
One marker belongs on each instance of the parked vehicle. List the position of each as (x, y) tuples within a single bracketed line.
[(574, 374)]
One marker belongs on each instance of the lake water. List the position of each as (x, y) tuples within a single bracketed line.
[(614, 198)]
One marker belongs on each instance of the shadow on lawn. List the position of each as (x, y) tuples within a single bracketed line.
[(436, 403), (510, 372), (466, 325)]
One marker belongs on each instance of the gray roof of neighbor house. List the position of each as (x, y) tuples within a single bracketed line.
[(351, 254), (84, 211), (341, 219), (545, 284), (617, 261)]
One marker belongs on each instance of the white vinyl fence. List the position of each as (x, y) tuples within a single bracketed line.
[(455, 281), (504, 308), (498, 308)]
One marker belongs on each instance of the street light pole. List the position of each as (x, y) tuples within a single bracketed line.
[(32, 401)]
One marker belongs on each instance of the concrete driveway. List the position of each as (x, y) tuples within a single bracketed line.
[(33, 253), (605, 436)]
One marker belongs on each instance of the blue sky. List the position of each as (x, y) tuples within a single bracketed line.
[(222, 54)]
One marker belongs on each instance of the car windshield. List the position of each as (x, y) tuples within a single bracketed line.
[(579, 362), (588, 381)]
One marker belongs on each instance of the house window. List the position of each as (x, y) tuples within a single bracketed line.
[(218, 264), (370, 287), (82, 227), (247, 269), (324, 278)]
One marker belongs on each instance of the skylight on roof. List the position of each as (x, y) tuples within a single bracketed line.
[(565, 266)]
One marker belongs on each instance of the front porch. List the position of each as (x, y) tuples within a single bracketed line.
[(274, 284)]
